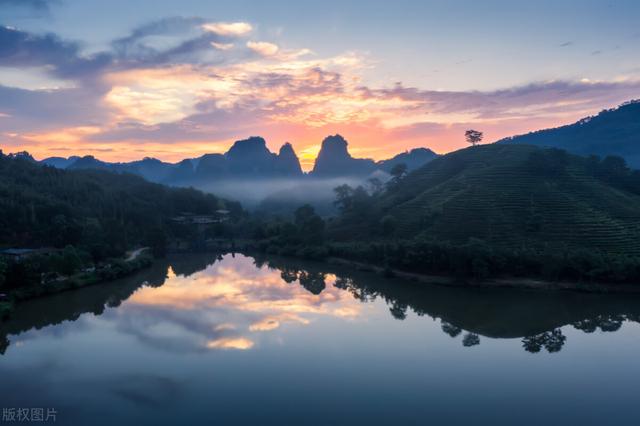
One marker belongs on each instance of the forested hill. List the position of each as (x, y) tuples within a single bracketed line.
[(101, 212), (612, 132), (510, 196)]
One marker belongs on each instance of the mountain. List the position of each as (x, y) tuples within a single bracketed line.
[(334, 160), (612, 132), (511, 196), (60, 162), (24, 155), (287, 162), (246, 159), (91, 162), (413, 159), (249, 159), (151, 169), (211, 166)]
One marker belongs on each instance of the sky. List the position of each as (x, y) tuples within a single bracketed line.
[(127, 79)]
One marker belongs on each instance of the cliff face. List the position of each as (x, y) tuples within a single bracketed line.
[(334, 160), (250, 158), (287, 162)]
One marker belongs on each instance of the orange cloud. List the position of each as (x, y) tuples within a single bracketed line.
[(228, 28), (230, 343), (263, 48), (235, 300)]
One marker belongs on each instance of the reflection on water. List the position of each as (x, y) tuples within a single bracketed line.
[(183, 329), (201, 302)]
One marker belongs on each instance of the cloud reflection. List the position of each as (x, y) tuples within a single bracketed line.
[(229, 305)]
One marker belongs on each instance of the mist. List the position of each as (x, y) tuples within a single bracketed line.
[(283, 196)]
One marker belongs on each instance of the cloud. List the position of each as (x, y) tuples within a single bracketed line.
[(38, 7), (566, 44), (235, 29), (222, 46), (133, 44), (176, 40), (263, 48), (44, 110), (22, 49), (188, 84)]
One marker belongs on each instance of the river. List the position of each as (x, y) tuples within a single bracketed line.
[(235, 339)]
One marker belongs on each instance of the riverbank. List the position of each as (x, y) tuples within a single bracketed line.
[(520, 283), (248, 246), (118, 268)]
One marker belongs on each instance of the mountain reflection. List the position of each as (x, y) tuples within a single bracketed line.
[(198, 303)]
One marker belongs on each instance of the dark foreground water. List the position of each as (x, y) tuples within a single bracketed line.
[(237, 340)]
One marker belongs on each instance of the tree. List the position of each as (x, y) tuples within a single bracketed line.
[(473, 137), (310, 225), (344, 197), (375, 186)]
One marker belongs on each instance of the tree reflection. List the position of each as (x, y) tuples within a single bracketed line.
[(314, 282), (537, 321), (473, 313), (552, 341), (398, 310), (470, 339), (451, 329), (608, 323), (289, 275)]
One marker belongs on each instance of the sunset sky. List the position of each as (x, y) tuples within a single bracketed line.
[(125, 79)]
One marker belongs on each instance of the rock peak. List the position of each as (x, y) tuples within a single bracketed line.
[(334, 160)]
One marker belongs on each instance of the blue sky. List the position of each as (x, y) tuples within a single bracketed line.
[(456, 47)]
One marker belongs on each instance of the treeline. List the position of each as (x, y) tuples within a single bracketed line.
[(478, 260), (87, 218), (98, 212), (68, 269)]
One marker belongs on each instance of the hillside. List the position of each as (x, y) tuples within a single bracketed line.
[(512, 196), (101, 212), (413, 159), (612, 132)]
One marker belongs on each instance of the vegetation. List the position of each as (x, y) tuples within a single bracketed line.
[(473, 137), (86, 220), (99, 212), (611, 132), (490, 211)]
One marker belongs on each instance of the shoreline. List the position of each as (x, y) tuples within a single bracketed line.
[(248, 246), (516, 283), (140, 259)]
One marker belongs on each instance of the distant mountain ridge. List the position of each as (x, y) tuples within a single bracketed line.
[(613, 131), (250, 159)]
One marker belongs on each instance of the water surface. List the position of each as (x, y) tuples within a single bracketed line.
[(238, 340)]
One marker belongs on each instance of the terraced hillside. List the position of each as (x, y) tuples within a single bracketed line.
[(512, 196)]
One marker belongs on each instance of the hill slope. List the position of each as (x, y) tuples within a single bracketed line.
[(102, 212), (612, 132), (512, 196)]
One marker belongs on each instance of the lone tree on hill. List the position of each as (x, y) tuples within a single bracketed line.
[(474, 137)]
